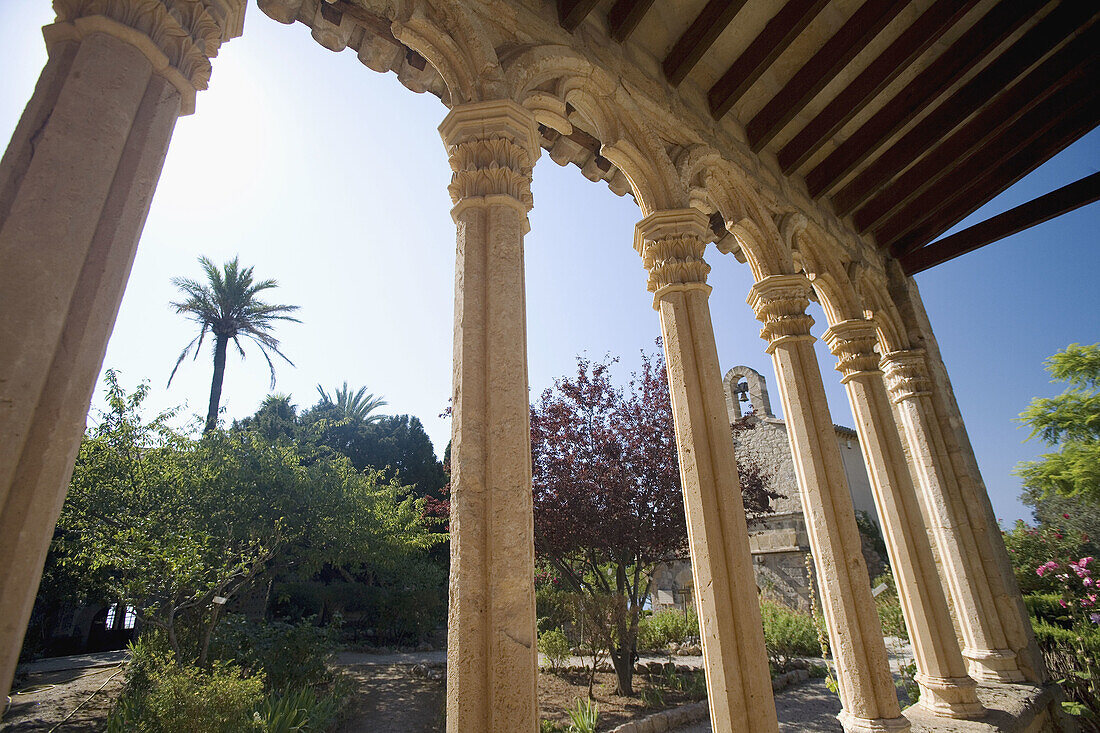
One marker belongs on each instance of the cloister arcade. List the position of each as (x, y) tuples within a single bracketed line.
[(518, 77)]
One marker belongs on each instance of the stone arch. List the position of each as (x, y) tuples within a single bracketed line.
[(459, 65), (880, 308), (552, 79), (721, 184), (827, 266), (758, 392)]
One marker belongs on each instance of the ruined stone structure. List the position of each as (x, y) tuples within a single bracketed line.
[(823, 142), (779, 541)]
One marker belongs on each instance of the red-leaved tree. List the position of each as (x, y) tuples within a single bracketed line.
[(607, 500), (607, 497)]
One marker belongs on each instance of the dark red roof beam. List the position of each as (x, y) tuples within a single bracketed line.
[(1015, 220), (987, 85), (964, 192), (912, 42), (815, 75), (776, 37), (945, 71), (571, 13), (624, 17), (699, 37)]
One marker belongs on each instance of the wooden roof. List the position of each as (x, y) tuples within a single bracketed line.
[(905, 116)]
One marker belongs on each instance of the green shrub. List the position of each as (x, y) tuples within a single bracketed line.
[(787, 633), (1073, 658), (889, 608), (291, 656), (550, 726), (190, 700), (555, 646), (1048, 607), (657, 630)]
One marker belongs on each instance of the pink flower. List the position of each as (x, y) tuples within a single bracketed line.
[(1065, 516), (1064, 604)]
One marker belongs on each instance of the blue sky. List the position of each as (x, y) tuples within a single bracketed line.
[(332, 179)]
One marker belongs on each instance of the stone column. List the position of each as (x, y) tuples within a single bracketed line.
[(492, 662), (739, 690), (946, 688), (867, 689), (945, 514), (75, 186)]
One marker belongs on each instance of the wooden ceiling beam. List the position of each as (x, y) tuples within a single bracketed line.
[(822, 68), (777, 36), (1016, 139), (914, 40), (571, 13), (963, 193), (699, 37), (974, 45), (989, 84), (1015, 220), (624, 17)]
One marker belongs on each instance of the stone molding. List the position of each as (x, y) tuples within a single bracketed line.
[(853, 344), (907, 375), (492, 148), (780, 302), (179, 37), (671, 244)]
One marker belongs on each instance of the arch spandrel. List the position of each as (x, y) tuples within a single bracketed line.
[(827, 266), (710, 177)]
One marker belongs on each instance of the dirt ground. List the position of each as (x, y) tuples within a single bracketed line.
[(388, 699), (41, 701), (385, 698)]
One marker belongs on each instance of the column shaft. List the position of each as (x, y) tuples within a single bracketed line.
[(492, 662), (75, 187), (946, 688), (866, 685), (945, 514), (738, 681)]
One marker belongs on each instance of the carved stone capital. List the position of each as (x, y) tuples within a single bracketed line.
[(179, 37), (671, 244), (492, 148), (780, 302), (853, 344), (906, 374)]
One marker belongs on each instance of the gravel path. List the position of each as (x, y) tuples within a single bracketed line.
[(809, 707)]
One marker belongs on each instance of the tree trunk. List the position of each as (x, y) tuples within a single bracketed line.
[(221, 343), (622, 659)]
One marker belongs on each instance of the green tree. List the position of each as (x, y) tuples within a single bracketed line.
[(1070, 422), (357, 407), (227, 307), (171, 521)]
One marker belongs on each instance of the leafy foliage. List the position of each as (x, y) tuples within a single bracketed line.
[(607, 500), (787, 633), (585, 717), (661, 628), (1070, 421), (171, 521), (357, 407), (226, 306), (554, 645)]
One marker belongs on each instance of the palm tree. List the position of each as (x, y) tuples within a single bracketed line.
[(358, 406), (226, 305)]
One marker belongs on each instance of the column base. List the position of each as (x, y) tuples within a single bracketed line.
[(950, 697), (993, 665), (855, 724)]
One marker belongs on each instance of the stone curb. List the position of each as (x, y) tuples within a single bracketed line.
[(666, 719), (685, 714)]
